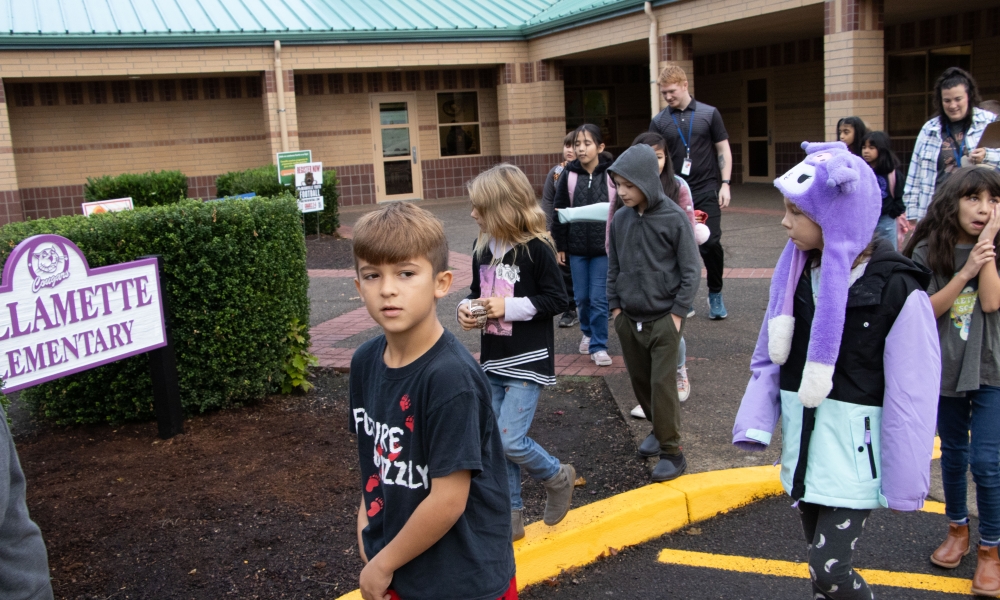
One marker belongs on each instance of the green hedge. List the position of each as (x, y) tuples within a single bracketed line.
[(264, 182), (234, 277), (145, 189)]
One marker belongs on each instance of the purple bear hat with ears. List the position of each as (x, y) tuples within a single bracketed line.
[(839, 192)]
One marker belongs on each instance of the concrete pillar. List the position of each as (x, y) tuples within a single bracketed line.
[(531, 103), (677, 49), (10, 195), (271, 120), (853, 63)]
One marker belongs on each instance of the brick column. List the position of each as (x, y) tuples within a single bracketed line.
[(677, 49), (10, 196), (854, 62), (271, 112), (531, 104)]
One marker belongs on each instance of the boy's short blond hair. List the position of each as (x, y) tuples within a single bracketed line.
[(398, 232), (672, 74)]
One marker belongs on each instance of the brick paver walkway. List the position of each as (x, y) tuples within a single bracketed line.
[(326, 334)]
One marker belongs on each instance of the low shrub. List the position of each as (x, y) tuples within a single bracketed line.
[(264, 182), (145, 189), (234, 279)]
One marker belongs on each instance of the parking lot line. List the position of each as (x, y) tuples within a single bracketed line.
[(781, 568)]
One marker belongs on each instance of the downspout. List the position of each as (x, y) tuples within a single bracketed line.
[(654, 60), (279, 79)]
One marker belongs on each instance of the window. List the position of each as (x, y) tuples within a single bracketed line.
[(98, 92), (168, 90), (458, 123), (593, 105), (24, 94), (189, 89), (910, 78), (211, 88), (144, 91), (253, 87), (48, 94), (121, 92), (234, 87), (315, 83), (74, 93)]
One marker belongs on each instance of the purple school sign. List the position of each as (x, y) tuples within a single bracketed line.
[(58, 316)]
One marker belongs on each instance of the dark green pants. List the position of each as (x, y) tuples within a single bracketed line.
[(651, 358)]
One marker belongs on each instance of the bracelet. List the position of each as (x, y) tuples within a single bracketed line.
[(726, 181)]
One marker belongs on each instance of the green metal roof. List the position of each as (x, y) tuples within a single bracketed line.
[(135, 23)]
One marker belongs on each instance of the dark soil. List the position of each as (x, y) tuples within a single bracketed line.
[(328, 252), (255, 502)]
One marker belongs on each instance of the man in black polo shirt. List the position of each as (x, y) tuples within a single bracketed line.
[(699, 148)]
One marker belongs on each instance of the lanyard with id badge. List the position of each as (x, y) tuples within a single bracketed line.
[(686, 168)]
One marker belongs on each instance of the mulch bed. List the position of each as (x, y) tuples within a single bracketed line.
[(259, 501), (328, 252)]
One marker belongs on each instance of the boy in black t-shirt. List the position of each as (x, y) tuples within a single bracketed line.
[(434, 520)]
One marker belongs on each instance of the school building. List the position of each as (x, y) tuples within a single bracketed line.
[(412, 99)]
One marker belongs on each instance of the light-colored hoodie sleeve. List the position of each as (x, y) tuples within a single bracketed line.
[(912, 364), (760, 408)]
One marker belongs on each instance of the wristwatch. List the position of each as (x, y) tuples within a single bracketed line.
[(725, 181)]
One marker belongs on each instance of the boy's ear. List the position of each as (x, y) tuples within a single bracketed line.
[(442, 284)]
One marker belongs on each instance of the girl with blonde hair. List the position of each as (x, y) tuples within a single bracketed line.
[(517, 289)]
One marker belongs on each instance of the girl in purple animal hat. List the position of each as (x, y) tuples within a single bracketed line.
[(848, 359)]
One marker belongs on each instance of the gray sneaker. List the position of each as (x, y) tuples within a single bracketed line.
[(569, 319), (516, 525), (558, 494)]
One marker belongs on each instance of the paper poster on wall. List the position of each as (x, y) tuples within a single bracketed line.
[(60, 316), (287, 162), (308, 181), (106, 206)]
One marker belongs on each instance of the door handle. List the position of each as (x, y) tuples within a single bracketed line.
[(414, 150)]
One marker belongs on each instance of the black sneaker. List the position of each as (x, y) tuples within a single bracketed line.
[(569, 319), (669, 467)]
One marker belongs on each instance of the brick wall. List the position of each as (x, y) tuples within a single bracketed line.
[(62, 144)]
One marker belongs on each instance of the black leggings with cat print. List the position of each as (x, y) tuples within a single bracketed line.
[(832, 534)]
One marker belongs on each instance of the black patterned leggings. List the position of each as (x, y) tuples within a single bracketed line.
[(832, 534)]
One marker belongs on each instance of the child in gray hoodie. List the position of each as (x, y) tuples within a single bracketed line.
[(654, 269)]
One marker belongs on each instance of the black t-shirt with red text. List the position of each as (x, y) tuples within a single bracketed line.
[(429, 419)]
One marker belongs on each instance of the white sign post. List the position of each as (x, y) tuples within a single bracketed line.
[(60, 316)]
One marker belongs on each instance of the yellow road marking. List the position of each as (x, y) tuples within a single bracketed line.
[(631, 518), (931, 506), (781, 568), (936, 454)]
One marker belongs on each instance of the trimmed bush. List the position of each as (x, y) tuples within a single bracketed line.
[(145, 189), (234, 278), (264, 182)]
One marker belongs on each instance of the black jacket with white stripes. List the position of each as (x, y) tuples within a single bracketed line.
[(527, 351)]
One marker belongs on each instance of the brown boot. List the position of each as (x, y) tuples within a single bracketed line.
[(949, 554), (986, 581)]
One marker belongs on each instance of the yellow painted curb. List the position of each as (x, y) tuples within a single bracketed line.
[(781, 568), (633, 517), (936, 454), (932, 506)]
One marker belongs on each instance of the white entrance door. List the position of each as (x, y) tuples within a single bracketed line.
[(396, 141)]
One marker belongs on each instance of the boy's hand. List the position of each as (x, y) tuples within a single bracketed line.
[(982, 253), (362, 523), (495, 307), (677, 321), (465, 318), (989, 233), (615, 313), (374, 581), (561, 258)]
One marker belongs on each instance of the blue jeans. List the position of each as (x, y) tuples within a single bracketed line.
[(590, 287), (886, 229), (979, 412), (514, 403)]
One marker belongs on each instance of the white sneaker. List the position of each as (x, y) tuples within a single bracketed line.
[(601, 358), (637, 412), (683, 384), (691, 313), (585, 345)]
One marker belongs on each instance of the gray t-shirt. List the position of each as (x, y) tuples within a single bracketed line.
[(970, 339)]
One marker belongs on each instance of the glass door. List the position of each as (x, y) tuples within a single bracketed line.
[(395, 133), (759, 150)]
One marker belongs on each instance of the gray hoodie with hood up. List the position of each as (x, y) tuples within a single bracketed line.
[(654, 267)]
